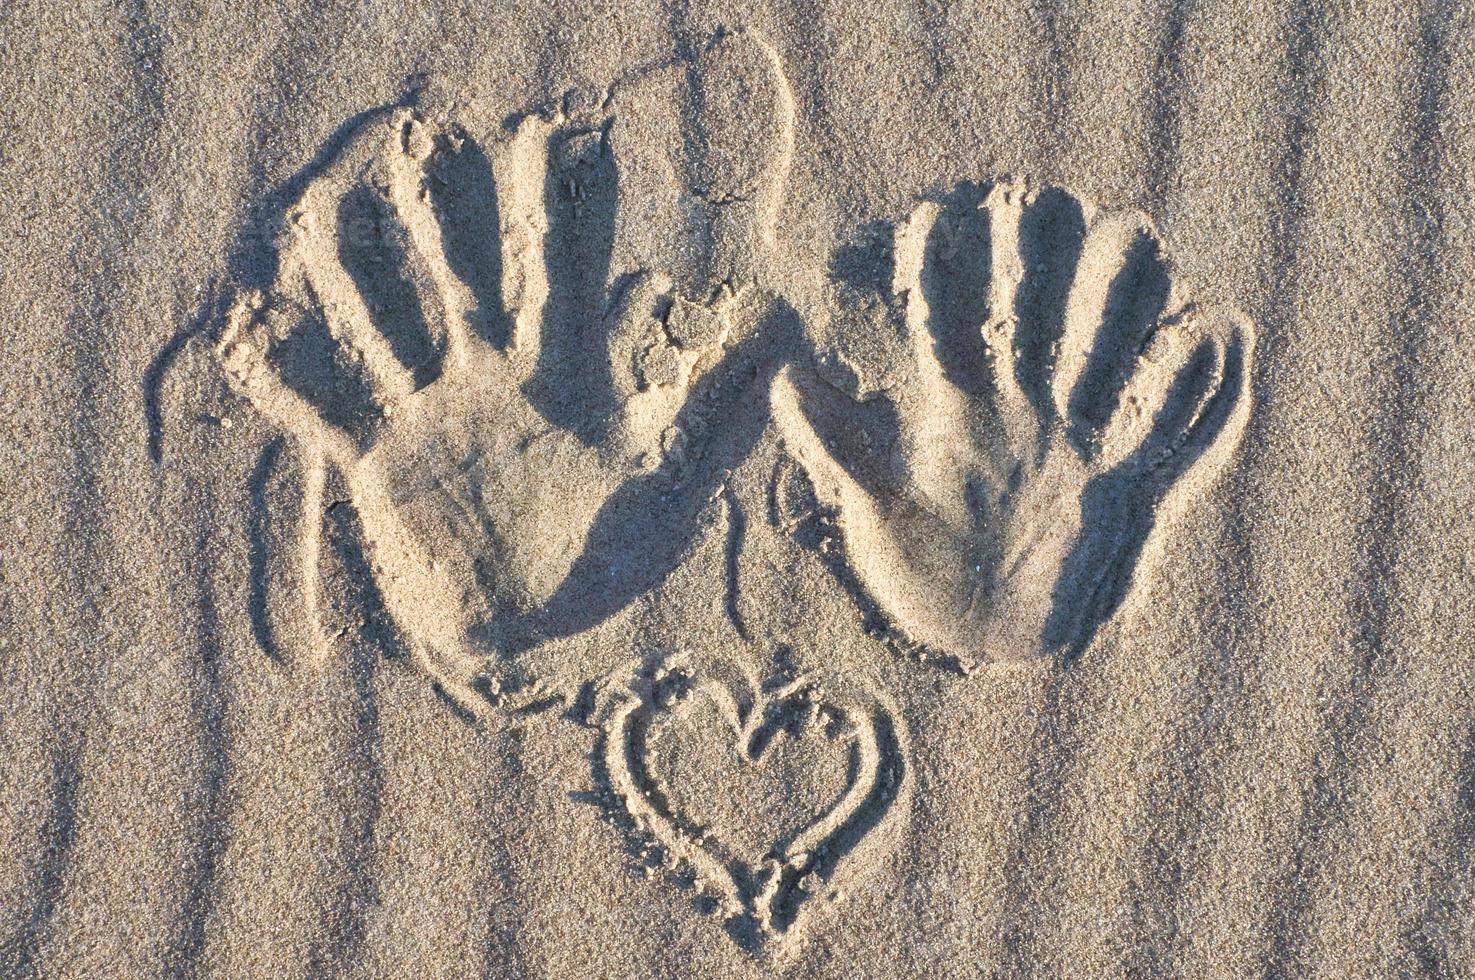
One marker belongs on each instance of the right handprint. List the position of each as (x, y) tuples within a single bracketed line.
[(997, 495)]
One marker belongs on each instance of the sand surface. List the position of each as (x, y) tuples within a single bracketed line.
[(815, 489)]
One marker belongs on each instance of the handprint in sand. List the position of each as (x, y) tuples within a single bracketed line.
[(511, 348), (996, 495)]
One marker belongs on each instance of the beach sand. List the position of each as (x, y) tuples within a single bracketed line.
[(815, 490)]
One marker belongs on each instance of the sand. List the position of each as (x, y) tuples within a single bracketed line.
[(815, 490)]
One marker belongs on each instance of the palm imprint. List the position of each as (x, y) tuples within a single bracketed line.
[(510, 351), (996, 495)]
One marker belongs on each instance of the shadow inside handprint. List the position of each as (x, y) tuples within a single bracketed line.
[(463, 192), (571, 389), (381, 261), (647, 526), (1099, 571)]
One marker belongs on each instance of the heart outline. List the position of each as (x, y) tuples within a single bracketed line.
[(763, 903)]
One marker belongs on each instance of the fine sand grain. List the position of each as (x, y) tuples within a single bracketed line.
[(819, 490)]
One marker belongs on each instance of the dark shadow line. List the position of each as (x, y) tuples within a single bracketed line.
[(737, 527), (890, 776), (1052, 236), (1155, 913), (1459, 857), (1123, 505), (1300, 87), (681, 29), (258, 559), (1164, 141), (1136, 299), (59, 834), (344, 913), (465, 202), (648, 525), (142, 44), (209, 707), (954, 282), (360, 887), (1045, 789), (580, 308), (345, 920), (90, 537), (90, 314), (1055, 74), (57, 837), (638, 844), (1393, 431), (503, 957), (373, 248), (210, 311), (1116, 550), (1176, 832)]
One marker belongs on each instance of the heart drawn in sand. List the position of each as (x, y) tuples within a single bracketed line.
[(764, 794)]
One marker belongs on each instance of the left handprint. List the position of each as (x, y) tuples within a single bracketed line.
[(457, 332)]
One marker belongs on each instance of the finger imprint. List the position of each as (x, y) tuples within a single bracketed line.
[(345, 309)]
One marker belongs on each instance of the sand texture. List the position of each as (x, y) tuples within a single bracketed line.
[(681, 490)]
